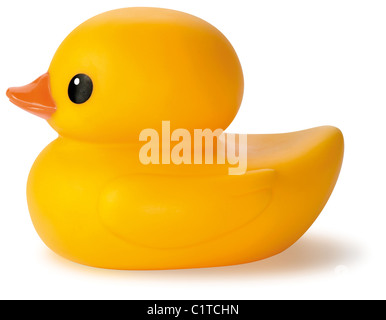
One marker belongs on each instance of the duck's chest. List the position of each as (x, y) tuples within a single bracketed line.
[(70, 175)]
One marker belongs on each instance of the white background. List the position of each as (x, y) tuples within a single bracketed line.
[(306, 63)]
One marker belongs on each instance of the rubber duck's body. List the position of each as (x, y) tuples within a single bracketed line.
[(93, 201)]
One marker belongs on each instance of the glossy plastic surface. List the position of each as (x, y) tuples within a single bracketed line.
[(93, 202)]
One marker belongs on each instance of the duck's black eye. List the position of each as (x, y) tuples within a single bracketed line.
[(80, 88)]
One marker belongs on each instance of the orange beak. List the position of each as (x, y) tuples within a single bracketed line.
[(34, 97)]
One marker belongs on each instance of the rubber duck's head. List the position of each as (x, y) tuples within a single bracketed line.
[(130, 69)]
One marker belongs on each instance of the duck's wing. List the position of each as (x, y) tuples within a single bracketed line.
[(168, 211)]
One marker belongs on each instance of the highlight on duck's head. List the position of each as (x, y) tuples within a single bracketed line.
[(130, 69)]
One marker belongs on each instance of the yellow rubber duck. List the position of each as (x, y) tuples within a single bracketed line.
[(94, 202)]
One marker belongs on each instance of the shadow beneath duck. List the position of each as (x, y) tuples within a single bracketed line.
[(311, 254)]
